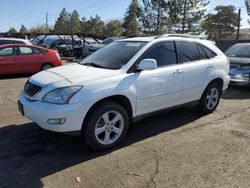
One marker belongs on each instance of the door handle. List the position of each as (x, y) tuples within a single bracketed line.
[(178, 71), (210, 66)]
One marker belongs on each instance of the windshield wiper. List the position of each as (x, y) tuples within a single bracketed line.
[(93, 65)]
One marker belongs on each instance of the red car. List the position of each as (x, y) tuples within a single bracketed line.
[(22, 58)]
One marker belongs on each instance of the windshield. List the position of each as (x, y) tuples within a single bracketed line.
[(239, 51), (114, 55)]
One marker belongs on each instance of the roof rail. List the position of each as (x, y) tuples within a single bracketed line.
[(183, 35)]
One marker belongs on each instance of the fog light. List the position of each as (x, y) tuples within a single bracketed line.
[(58, 121)]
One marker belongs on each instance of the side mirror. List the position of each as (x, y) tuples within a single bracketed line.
[(147, 64)]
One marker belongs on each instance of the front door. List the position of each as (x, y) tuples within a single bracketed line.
[(160, 88)]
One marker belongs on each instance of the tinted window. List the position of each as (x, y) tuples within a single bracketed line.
[(163, 53), (42, 51), (202, 53), (190, 51), (17, 42), (7, 52), (25, 51), (210, 54)]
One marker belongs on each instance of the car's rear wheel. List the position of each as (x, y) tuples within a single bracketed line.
[(210, 98), (106, 126), (46, 66)]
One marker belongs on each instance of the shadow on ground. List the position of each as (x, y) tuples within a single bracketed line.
[(237, 93), (29, 153)]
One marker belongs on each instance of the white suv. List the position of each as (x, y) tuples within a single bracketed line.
[(123, 82)]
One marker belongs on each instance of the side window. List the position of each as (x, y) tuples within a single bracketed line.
[(163, 53), (7, 52), (36, 51), (203, 55), (26, 51), (189, 51), (210, 54), (42, 51)]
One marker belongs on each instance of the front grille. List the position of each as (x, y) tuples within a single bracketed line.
[(31, 89), (234, 67)]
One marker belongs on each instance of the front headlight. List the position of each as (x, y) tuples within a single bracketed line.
[(61, 95)]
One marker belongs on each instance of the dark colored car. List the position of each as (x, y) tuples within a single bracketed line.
[(239, 57), (21, 58)]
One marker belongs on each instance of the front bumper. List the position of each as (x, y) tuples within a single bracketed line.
[(40, 112), (239, 82)]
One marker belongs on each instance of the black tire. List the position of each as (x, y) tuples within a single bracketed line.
[(46, 66), (88, 130), (204, 102)]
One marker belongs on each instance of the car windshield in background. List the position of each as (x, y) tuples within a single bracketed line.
[(242, 51), (114, 55)]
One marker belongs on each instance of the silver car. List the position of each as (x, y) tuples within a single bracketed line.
[(239, 57)]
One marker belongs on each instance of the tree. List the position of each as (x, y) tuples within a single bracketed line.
[(95, 26), (12, 30), (158, 16), (153, 16), (114, 28), (131, 24), (62, 24), (222, 23), (75, 22), (23, 29), (40, 29)]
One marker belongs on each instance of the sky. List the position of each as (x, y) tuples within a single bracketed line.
[(13, 13)]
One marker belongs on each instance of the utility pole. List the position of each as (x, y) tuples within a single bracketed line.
[(46, 24), (158, 17), (184, 17), (238, 25)]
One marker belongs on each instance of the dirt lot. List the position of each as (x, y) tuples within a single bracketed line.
[(180, 148)]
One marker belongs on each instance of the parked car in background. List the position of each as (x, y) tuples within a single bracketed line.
[(123, 82), (93, 48), (21, 58), (79, 48), (239, 57), (4, 41)]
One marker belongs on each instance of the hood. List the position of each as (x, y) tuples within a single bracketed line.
[(96, 46), (70, 75), (240, 61)]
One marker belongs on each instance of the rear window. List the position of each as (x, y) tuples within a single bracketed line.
[(210, 54)]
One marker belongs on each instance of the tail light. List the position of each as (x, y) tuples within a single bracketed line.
[(58, 56)]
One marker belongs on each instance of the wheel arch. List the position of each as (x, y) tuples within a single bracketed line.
[(119, 99)]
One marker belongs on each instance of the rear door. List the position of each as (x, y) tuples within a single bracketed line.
[(196, 67), (8, 61), (30, 59)]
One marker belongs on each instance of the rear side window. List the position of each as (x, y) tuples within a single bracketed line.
[(25, 51), (189, 51), (3, 42), (203, 55), (7, 52), (42, 51), (164, 53), (210, 54), (16, 42)]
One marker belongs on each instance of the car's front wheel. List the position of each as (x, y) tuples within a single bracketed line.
[(106, 126), (210, 98)]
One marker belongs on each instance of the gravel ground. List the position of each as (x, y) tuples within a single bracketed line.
[(180, 148)]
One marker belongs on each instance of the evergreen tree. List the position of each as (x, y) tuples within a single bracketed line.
[(114, 28), (75, 22), (131, 24), (12, 30), (95, 26), (63, 22), (23, 29), (222, 23)]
